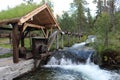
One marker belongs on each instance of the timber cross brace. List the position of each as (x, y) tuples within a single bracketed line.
[(41, 19)]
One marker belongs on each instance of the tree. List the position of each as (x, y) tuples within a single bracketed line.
[(28, 1), (102, 30), (89, 19), (66, 22), (79, 12), (49, 3), (111, 12), (99, 9)]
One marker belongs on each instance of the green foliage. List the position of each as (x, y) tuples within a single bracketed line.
[(83, 38), (66, 22), (6, 55), (17, 11), (90, 21), (4, 43), (98, 46), (27, 43), (76, 20), (117, 21), (80, 16), (103, 26)]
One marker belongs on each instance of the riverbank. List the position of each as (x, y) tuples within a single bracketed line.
[(10, 70)]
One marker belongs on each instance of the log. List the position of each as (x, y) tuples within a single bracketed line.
[(15, 44)]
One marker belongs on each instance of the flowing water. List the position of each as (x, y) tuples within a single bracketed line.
[(64, 68)]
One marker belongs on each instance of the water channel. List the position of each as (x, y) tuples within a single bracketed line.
[(68, 65)]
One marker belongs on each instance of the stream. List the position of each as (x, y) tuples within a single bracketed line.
[(73, 63)]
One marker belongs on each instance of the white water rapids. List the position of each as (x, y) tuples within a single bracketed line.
[(89, 71), (66, 65)]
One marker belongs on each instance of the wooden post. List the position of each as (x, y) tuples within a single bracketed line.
[(73, 38), (46, 33), (10, 38), (15, 44), (22, 40), (62, 43), (68, 40), (30, 39), (57, 44)]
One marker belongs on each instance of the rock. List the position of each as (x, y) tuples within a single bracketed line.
[(117, 59), (110, 59), (76, 56), (12, 71)]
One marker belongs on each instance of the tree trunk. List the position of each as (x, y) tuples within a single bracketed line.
[(112, 18)]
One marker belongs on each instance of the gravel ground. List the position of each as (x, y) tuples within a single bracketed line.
[(4, 50)]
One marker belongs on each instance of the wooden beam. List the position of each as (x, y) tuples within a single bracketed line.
[(51, 26), (31, 14), (24, 27), (57, 42), (54, 18), (49, 17), (62, 44), (15, 44), (22, 40), (44, 33), (26, 33), (51, 31), (8, 21), (32, 25), (2, 28)]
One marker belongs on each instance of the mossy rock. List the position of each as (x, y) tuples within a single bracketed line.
[(117, 58), (109, 57)]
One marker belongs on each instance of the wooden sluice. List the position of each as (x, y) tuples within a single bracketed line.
[(39, 19)]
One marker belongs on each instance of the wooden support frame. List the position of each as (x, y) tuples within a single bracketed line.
[(32, 25), (53, 18), (57, 42), (62, 42), (51, 30), (34, 19), (31, 14), (22, 40), (46, 33), (15, 44)]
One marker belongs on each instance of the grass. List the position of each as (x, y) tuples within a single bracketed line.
[(4, 43), (27, 43), (17, 11), (6, 55)]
